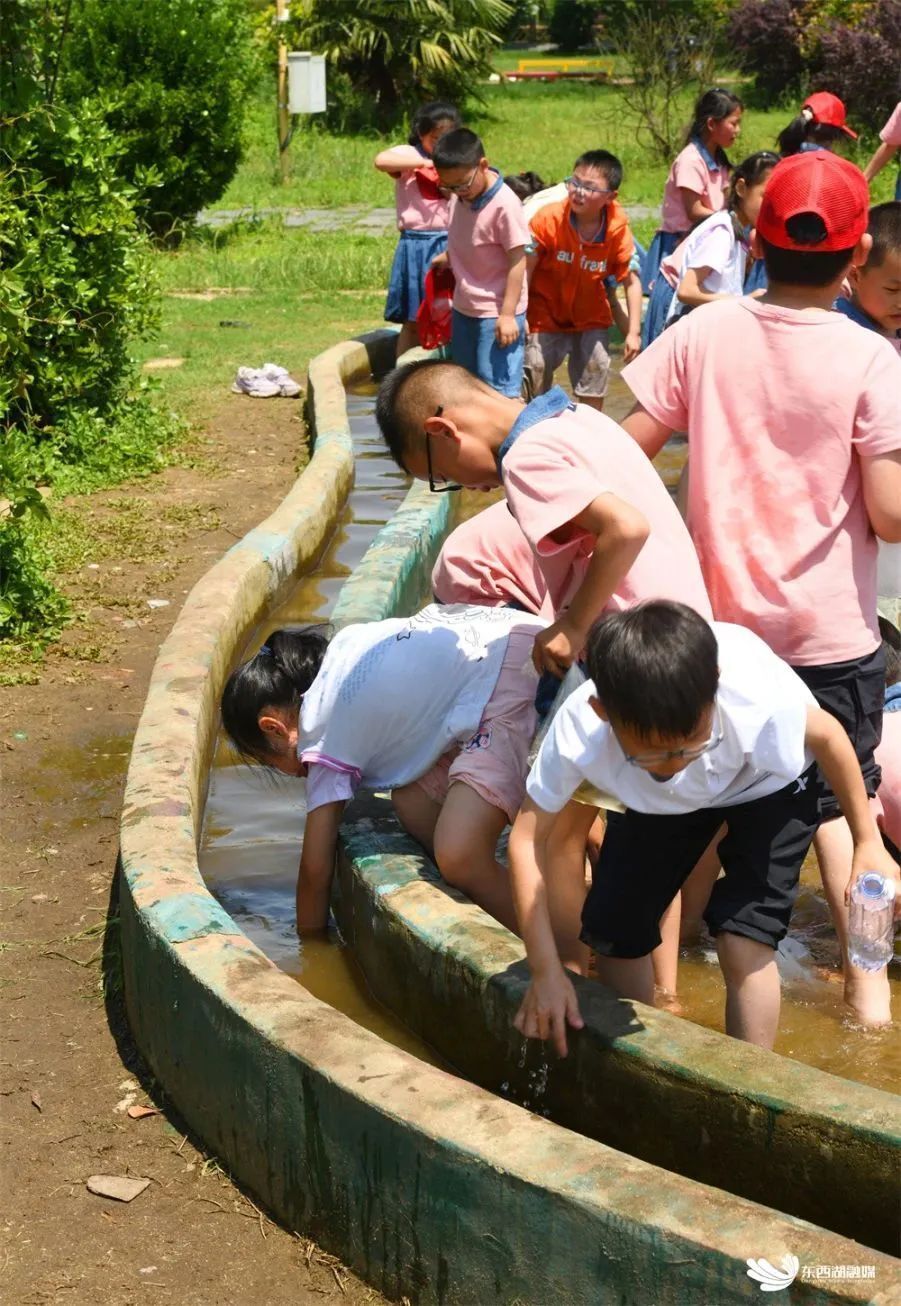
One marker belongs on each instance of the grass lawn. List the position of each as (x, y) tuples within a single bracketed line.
[(292, 294)]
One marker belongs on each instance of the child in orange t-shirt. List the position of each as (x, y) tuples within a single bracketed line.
[(577, 244)]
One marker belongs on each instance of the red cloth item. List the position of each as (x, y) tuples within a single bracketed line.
[(433, 321), (815, 182), (829, 110), (427, 181)]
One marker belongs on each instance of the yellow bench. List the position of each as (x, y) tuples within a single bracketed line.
[(598, 64)]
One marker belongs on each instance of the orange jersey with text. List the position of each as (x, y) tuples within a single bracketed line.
[(566, 288)]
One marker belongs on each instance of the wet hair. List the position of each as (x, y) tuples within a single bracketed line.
[(603, 162), (429, 116), (460, 148), (805, 130), (884, 226), (412, 393), (717, 104), (655, 667), (751, 171), (800, 267), (277, 676), (891, 644), (524, 184)]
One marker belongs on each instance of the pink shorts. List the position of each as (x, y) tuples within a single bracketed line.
[(494, 762)]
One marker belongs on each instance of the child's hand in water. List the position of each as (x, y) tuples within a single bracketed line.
[(549, 1005), (557, 648)]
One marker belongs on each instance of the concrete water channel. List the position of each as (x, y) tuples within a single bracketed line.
[(428, 1185)]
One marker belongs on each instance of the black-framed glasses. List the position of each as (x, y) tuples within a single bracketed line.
[(459, 187), (586, 187), (644, 760), (442, 485)]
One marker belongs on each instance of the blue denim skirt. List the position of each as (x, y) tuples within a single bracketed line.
[(412, 259)]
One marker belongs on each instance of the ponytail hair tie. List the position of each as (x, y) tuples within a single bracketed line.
[(808, 114)]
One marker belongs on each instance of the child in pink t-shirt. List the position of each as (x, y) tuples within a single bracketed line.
[(423, 213), (486, 248), (793, 417), (699, 178), (598, 519)]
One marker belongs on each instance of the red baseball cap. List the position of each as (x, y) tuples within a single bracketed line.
[(829, 110), (815, 182)]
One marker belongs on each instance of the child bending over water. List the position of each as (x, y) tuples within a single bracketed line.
[(688, 727), (438, 708)]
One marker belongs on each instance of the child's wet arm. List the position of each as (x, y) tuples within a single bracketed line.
[(620, 532), (881, 480), (647, 431), (317, 866), (528, 858), (836, 758)]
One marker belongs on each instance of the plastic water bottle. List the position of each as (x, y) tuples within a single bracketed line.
[(871, 921)]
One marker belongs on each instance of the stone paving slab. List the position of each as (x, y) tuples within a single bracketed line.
[(366, 220)]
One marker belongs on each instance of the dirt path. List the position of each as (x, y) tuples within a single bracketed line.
[(68, 1068)]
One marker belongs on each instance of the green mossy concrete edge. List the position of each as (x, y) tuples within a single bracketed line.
[(640, 1080), (428, 1186)]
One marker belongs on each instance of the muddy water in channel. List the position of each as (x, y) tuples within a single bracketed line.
[(254, 823)]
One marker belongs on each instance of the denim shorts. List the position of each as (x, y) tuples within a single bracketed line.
[(474, 347)]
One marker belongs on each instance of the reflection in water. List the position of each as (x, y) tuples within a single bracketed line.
[(254, 823)]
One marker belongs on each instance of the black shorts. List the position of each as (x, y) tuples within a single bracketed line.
[(645, 860), (854, 693)]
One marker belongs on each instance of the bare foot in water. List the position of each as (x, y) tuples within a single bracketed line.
[(868, 997), (665, 1001)]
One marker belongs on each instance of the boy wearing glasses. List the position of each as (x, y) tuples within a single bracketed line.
[(578, 244), (486, 249), (682, 727)]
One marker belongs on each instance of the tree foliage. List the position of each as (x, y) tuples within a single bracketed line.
[(849, 47), (173, 78), (389, 57)]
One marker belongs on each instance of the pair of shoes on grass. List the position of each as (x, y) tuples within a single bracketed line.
[(266, 382)]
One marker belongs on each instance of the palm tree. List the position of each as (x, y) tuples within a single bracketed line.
[(398, 52)]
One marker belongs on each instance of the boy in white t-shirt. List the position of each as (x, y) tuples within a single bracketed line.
[(681, 728)]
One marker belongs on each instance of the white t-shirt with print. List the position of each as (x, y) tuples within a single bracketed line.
[(392, 696), (761, 710), (713, 244)]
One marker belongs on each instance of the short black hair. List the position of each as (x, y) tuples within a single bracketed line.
[(884, 225), (604, 162), (460, 148), (412, 393), (891, 645), (800, 267), (655, 667), (429, 116)]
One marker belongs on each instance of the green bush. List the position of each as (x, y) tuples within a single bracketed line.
[(174, 78), (75, 291)]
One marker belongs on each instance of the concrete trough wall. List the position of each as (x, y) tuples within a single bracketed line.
[(638, 1079), (427, 1185)]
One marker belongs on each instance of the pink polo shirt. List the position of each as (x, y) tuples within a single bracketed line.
[(556, 469), (479, 238), (691, 172), (420, 205), (888, 755), (488, 560), (780, 405)]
